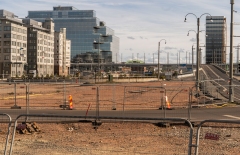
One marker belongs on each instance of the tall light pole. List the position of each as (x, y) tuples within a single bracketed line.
[(95, 42), (159, 56), (193, 44), (231, 93), (179, 59), (192, 56), (197, 65), (237, 57), (186, 57), (153, 58), (189, 57), (121, 57)]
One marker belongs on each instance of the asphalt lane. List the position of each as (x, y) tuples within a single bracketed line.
[(197, 114)]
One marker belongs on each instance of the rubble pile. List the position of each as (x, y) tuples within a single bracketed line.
[(25, 128)]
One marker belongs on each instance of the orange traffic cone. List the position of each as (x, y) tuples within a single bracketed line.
[(70, 102), (168, 104)]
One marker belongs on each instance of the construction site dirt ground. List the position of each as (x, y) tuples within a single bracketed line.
[(145, 95), (113, 138), (117, 138)]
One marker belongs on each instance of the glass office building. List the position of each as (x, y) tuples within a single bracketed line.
[(91, 40), (216, 30)]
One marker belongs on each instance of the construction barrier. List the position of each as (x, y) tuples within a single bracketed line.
[(5, 128), (70, 102), (185, 146)]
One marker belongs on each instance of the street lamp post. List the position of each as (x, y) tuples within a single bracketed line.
[(95, 42), (193, 44), (238, 57), (197, 65), (159, 56), (231, 93)]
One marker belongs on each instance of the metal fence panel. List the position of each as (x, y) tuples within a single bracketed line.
[(5, 126), (116, 137), (218, 137), (12, 95), (111, 97), (159, 100)]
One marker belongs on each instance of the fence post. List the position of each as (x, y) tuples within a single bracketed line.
[(165, 103), (15, 106), (64, 95), (27, 101), (114, 101), (97, 105), (124, 99), (189, 104)]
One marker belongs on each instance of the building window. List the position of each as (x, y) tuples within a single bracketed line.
[(7, 43), (6, 57), (7, 50), (7, 28), (8, 35)]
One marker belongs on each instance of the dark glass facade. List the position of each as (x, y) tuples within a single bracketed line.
[(216, 30), (85, 31)]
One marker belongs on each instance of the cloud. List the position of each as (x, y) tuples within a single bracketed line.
[(131, 38), (169, 48), (193, 40), (143, 37), (129, 49), (181, 50)]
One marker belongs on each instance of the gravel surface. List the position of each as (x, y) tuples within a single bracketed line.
[(128, 138)]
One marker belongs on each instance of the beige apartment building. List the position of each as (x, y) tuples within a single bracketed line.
[(13, 45), (62, 50), (40, 43)]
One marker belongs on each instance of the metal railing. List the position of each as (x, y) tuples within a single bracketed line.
[(8, 131)]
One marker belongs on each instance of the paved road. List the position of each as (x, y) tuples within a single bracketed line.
[(197, 114)]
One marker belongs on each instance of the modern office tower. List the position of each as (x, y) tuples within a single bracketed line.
[(13, 45), (91, 40), (40, 44), (216, 40), (62, 50)]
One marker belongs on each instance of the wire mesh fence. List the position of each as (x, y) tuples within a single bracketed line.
[(117, 137), (125, 99), (219, 137), (12, 95), (5, 125), (109, 138)]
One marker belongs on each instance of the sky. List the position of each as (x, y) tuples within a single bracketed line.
[(142, 24)]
